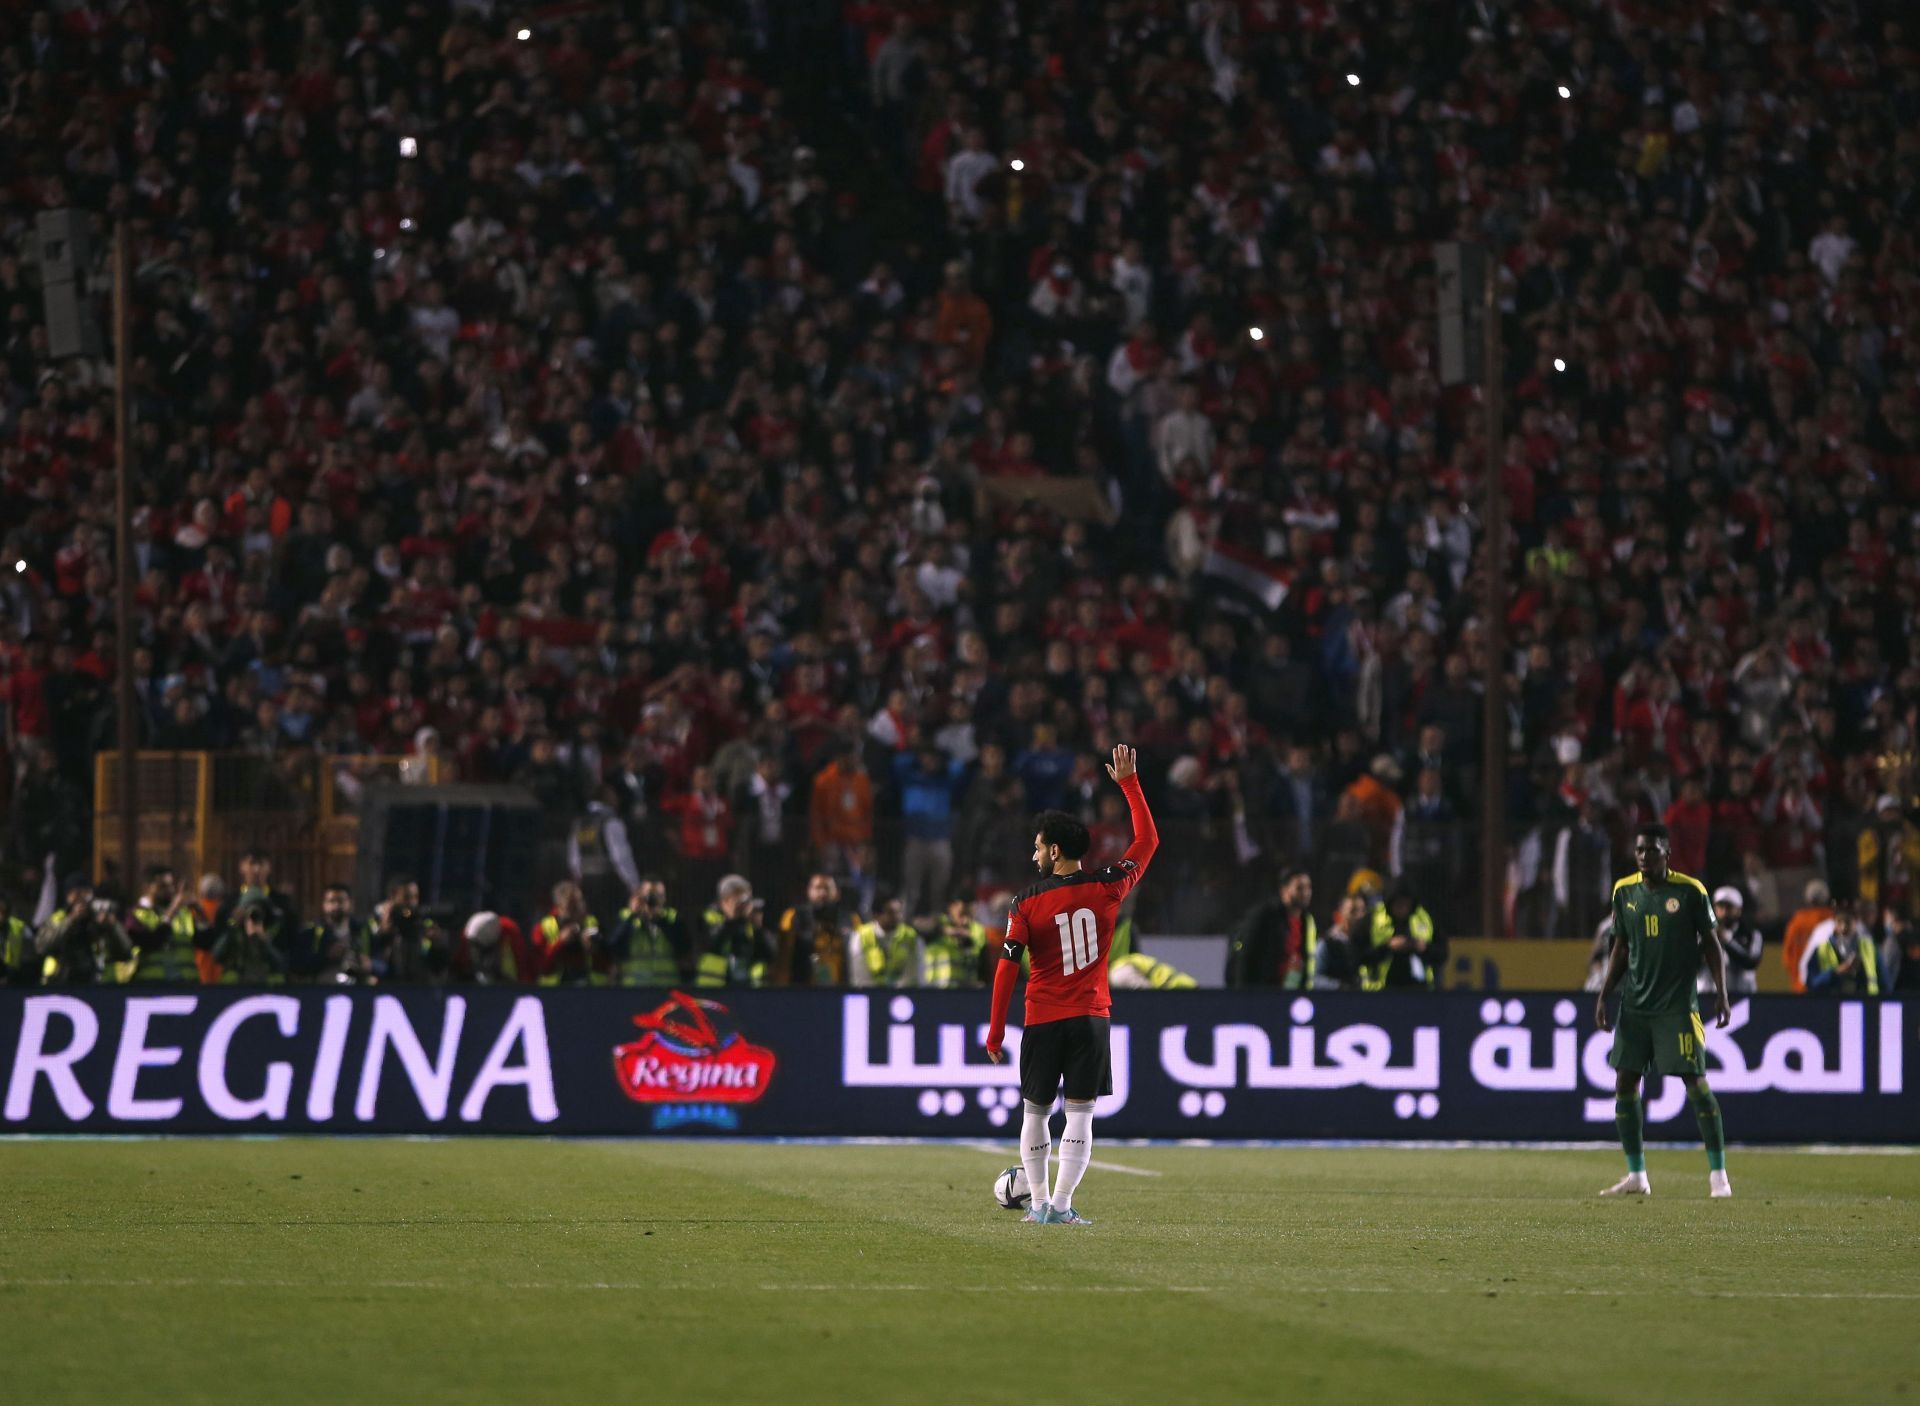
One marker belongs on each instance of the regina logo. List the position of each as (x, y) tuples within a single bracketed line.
[(691, 1064)]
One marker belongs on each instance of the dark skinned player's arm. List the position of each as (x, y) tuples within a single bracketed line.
[(1616, 969), (1716, 960)]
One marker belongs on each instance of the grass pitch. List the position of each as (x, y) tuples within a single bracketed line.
[(524, 1271)]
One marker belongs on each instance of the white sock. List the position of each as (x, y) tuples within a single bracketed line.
[(1076, 1150), (1036, 1141)]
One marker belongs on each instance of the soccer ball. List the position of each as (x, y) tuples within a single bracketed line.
[(1010, 1189)]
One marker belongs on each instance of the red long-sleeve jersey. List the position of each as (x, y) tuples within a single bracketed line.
[(1066, 924)]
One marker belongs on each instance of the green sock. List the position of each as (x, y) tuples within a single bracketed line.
[(1626, 1113), (1706, 1109)]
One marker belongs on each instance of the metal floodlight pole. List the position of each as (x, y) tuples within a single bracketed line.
[(1493, 742), (123, 557)]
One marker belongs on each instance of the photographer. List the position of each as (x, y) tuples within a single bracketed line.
[(166, 931), (649, 945), (568, 939), (491, 951), (19, 962), (246, 950), (279, 912), (812, 947), (1840, 959), (330, 951), (734, 950), (886, 950), (405, 947), (83, 940)]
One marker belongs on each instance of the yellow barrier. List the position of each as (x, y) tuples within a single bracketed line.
[(199, 811), (1548, 964)]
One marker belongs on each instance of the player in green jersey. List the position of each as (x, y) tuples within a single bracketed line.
[(1663, 929)]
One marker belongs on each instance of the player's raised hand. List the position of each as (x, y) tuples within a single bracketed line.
[(1122, 765)]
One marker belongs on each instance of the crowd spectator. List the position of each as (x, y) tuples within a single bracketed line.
[(927, 780), (1740, 941), (546, 406), (1841, 959), (1404, 950), (1277, 943)]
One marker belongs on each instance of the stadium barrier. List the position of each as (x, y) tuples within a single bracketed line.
[(819, 1063)]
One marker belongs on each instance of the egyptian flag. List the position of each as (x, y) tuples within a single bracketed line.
[(1258, 575)]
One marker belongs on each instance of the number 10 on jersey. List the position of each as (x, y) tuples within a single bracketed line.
[(1079, 939)]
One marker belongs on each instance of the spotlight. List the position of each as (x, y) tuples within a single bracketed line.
[(525, 35), (1559, 365), (1258, 334), (1353, 80), (1017, 164), (1565, 91)]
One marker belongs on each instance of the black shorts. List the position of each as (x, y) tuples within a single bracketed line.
[(1073, 1050)]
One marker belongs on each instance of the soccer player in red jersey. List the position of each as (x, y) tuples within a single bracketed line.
[(1066, 924)]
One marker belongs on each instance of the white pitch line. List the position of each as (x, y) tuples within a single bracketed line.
[(991, 1288), (730, 1286), (603, 1286), (999, 1151)]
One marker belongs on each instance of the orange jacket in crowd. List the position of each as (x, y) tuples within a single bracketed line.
[(1379, 808), (963, 322), (841, 811), (1794, 945)]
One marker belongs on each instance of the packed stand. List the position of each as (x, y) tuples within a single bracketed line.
[(527, 394)]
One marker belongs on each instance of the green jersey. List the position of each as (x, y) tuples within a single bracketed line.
[(1665, 927)]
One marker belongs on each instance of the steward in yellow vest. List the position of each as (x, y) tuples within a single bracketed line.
[(951, 955), (733, 945), (568, 939), (19, 964), (1846, 963), (167, 932), (1139, 972), (1406, 952), (649, 944), (886, 950), (82, 943)]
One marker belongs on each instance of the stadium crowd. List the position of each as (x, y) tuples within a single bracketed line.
[(577, 398)]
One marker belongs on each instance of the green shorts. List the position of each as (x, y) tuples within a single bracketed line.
[(1672, 1042)]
